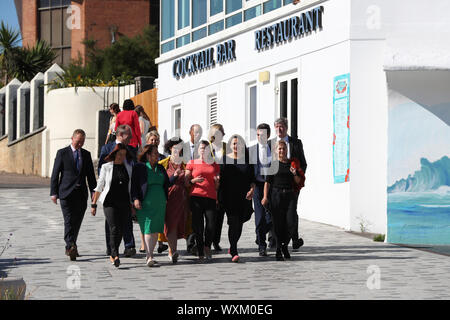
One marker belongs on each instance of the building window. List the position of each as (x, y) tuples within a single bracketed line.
[(199, 13), (252, 13), (202, 18), (53, 28), (183, 14), (215, 7), (271, 5), (215, 27), (233, 5), (166, 47), (176, 123), (234, 20), (184, 40), (252, 111), (167, 19), (196, 35), (212, 110)]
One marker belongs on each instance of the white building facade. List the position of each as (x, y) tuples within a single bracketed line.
[(242, 63)]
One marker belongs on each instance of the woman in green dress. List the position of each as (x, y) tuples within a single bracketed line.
[(149, 189)]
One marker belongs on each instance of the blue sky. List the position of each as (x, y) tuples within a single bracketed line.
[(8, 14)]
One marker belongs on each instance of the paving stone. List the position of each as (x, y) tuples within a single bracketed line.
[(332, 264)]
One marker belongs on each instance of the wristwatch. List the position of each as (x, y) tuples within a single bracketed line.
[(93, 206)]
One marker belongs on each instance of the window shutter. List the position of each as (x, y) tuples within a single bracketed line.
[(212, 112)]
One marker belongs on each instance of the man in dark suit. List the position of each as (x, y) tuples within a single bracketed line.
[(295, 150), (260, 156), (68, 184), (190, 152), (123, 135)]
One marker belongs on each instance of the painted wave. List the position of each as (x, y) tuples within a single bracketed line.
[(431, 176)]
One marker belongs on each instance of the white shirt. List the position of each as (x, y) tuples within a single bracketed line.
[(218, 151), (79, 155), (105, 179), (264, 153), (192, 146), (287, 142)]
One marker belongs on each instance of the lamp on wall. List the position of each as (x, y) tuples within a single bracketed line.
[(264, 76)]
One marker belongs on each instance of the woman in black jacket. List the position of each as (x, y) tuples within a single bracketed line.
[(237, 180)]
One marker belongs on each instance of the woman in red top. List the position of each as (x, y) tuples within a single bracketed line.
[(203, 175), (130, 117)]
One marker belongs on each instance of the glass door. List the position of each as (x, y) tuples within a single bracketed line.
[(287, 91)]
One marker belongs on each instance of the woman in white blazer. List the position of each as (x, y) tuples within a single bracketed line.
[(113, 190)]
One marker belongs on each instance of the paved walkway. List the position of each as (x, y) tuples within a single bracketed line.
[(333, 264)]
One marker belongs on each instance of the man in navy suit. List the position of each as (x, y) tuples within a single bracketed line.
[(123, 135), (68, 184), (295, 150), (260, 156)]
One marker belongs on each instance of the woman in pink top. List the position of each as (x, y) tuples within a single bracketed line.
[(202, 175)]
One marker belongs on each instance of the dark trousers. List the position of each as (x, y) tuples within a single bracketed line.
[(203, 209), (73, 209), (235, 224), (263, 221), (294, 219), (128, 236), (116, 218), (283, 206), (220, 213)]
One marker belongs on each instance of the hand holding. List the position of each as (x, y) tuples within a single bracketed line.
[(93, 211), (264, 202), (177, 172), (137, 204), (199, 179), (293, 171)]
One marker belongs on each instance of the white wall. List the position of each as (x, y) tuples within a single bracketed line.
[(67, 110), (315, 60)]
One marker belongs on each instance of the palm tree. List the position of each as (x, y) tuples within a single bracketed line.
[(22, 63), (9, 41), (30, 61)]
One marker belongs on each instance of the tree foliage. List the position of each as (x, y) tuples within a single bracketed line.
[(22, 63), (127, 57)]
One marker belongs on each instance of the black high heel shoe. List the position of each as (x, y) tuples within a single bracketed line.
[(279, 256), (117, 262), (285, 251)]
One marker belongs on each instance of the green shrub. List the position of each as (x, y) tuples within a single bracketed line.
[(379, 238)]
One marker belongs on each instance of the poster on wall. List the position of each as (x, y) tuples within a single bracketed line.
[(341, 131)]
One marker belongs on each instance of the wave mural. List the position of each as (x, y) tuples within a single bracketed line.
[(431, 176)]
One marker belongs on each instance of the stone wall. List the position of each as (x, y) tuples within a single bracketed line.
[(22, 157)]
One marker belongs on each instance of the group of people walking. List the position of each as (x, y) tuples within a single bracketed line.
[(184, 194)]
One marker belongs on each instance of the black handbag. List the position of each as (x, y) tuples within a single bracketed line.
[(248, 211)]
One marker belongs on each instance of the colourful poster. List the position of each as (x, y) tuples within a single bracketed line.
[(341, 135)]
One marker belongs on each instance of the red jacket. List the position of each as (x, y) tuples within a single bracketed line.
[(130, 118), (295, 163)]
